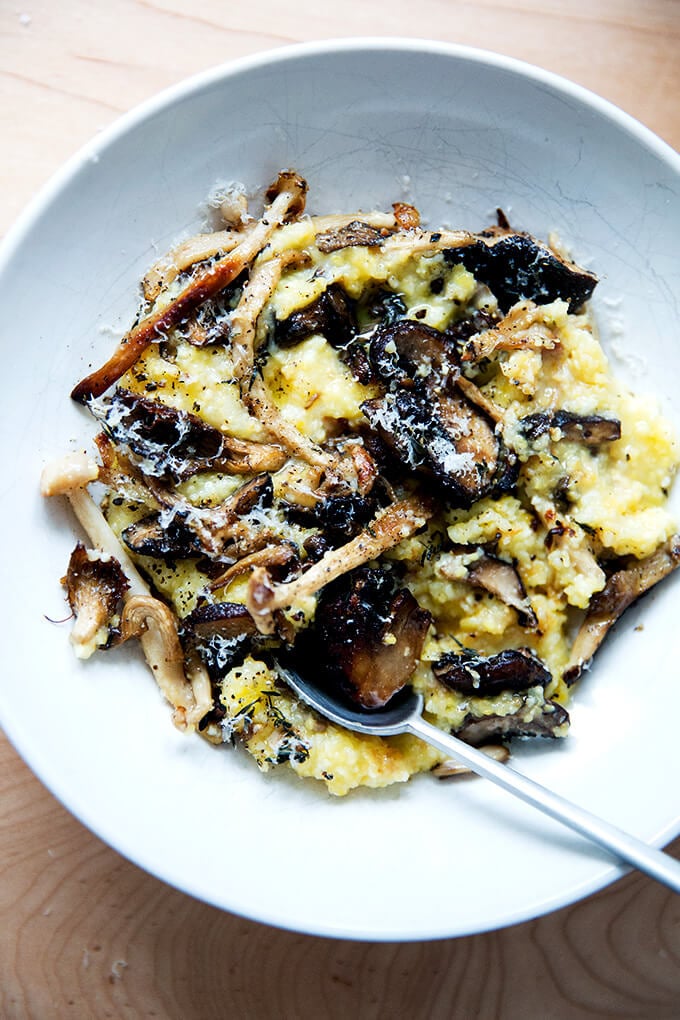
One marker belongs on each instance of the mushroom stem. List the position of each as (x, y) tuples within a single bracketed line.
[(194, 249), (101, 534), (69, 477), (282, 431), (287, 196), (154, 624), (264, 279), (391, 526)]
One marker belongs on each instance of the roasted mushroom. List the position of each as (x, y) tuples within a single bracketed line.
[(515, 669), (332, 315), (367, 636), (446, 439), (149, 537), (590, 429), (338, 517), (176, 443), (516, 267), (221, 632), (388, 528), (552, 720), (427, 424), (623, 588), (407, 352), (352, 235), (499, 578)]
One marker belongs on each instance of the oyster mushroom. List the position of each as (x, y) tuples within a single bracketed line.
[(149, 537), (70, 477), (622, 588), (95, 586), (276, 558), (221, 632), (187, 530), (367, 637), (521, 329), (287, 199), (355, 234)]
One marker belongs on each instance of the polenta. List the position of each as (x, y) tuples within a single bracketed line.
[(392, 455)]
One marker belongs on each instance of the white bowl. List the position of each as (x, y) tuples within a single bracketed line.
[(458, 132)]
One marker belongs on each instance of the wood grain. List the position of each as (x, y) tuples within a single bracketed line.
[(84, 933)]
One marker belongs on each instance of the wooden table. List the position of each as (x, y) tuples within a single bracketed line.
[(83, 932)]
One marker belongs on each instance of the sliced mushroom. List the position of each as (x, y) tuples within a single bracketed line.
[(149, 537), (480, 400), (551, 721), (367, 637), (181, 529), (390, 526), (287, 198), (95, 586), (176, 443), (590, 429), (276, 558), (623, 588), (502, 580), (515, 669)]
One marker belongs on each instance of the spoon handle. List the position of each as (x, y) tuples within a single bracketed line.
[(624, 846)]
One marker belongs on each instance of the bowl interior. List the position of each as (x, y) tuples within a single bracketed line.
[(459, 134)]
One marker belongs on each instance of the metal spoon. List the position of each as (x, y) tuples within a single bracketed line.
[(404, 715)]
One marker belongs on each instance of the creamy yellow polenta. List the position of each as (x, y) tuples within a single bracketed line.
[(617, 497)]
